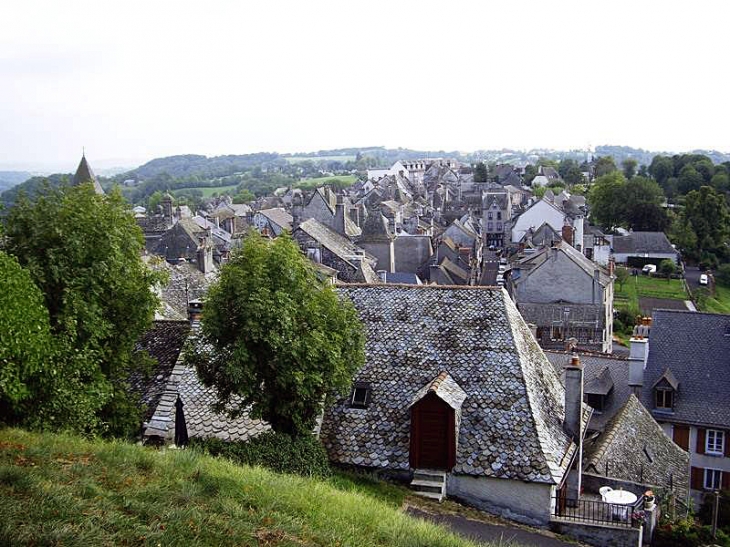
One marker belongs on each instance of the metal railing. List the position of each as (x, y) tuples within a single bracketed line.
[(599, 512)]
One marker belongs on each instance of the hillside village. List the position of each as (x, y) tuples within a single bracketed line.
[(493, 373)]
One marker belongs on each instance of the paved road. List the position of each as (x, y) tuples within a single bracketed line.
[(490, 262), (692, 275), (482, 531)]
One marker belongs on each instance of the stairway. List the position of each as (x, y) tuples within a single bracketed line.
[(429, 483)]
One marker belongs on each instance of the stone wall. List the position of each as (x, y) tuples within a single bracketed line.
[(527, 502), (598, 534)]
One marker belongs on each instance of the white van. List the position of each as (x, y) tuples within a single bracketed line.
[(649, 269)]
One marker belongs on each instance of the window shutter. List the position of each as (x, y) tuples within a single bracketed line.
[(680, 436), (725, 483), (727, 448), (700, 448), (698, 478)]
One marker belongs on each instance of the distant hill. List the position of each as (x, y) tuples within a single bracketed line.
[(8, 179), (31, 186)]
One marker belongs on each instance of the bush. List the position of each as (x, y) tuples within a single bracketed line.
[(687, 534), (277, 451)]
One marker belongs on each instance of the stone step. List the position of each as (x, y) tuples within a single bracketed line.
[(429, 475), (427, 486), (431, 495)]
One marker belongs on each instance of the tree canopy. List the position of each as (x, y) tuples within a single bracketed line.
[(82, 250), (274, 339), (635, 204)]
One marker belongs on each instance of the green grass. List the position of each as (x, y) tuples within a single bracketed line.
[(627, 297), (720, 303), (348, 180), (63, 490), (299, 159), (208, 191)]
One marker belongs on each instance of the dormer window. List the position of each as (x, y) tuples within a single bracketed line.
[(664, 399), (360, 397), (715, 442)]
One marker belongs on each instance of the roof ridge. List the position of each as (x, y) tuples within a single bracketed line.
[(420, 287)]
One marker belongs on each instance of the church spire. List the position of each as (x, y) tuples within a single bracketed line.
[(84, 174)]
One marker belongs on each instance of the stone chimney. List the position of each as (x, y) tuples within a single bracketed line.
[(296, 211), (611, 265), (573, 422), (195, 312), (567, 233), (339, 220), (638, 354)]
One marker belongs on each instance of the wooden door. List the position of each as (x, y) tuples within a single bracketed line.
[(432, 434)]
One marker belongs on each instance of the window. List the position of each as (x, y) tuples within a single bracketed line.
[(489, 215), (557, 333), (664, 399), (490, 226), (360, 397), (499, 226), (595, 400), (713, 479), (715, 442), (499, 215)]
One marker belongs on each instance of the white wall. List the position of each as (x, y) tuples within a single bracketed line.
[(527, 502), (535, 216)]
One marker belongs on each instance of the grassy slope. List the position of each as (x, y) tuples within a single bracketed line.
[(720, 303), (64, 490), (208, 191)]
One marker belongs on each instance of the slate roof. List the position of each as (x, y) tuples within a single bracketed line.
[(695, 347), (163, 342), (445, 389), (596, 370), (511, 422), (279, 217), (402, 278), (642, 242), (635, 448), (533, 261), (328, 238), (84, 173)]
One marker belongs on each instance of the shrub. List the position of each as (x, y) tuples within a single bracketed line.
[(277, 451), (723, 275), (686, 533)]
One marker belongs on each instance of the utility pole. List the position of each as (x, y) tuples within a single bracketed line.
[(715, 511)]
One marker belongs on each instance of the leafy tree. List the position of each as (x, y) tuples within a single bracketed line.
[(606, 200), (244, 196), (530, 173), (723, 275), (154, 201), (629, 167), (643, 211), (689, 179), (480, 172), (83, 251), (573, 176), (622, 275), (604, 166), (565, 166), (707, 213), (721, 182), (667, 267), (274, 339), (661, 169)]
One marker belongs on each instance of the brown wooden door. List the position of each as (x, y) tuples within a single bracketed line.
[(432, 434)]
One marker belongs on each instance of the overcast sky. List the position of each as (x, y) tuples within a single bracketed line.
[(135, 80)]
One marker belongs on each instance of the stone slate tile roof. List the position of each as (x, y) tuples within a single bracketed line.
[(511, 422), (642, 242), (594, 365), (201, 420), (445, 388), (84, 173), (695, 347), (533, 261), (163, 342), (635, 448), (328, 238), (278, 216)]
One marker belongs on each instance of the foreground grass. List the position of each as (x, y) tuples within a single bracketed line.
[(62, 490), (719, 303)]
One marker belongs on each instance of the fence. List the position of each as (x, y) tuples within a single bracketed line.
[(599, 512)]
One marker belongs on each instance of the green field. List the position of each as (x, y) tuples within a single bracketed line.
[(626, 298), (347, 180), (298, 159), (208, 191), (64, 490)]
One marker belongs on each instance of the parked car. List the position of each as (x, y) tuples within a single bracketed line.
[(649, 269), (704, 280)]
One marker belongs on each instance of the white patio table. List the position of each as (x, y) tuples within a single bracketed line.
[(620, 501)]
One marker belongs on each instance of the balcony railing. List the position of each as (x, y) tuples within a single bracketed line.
[(599, 512)]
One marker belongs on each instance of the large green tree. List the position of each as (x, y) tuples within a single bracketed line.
[(604, 166), (274, 339), (706, 212), (606, 200), (643, 211), (82, 251)]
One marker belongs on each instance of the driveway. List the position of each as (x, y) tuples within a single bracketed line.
[(479, 531), (692, 275)]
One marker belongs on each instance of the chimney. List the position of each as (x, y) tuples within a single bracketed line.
[(339, 220), (567, 234), (195, 312), (573, 422), (296, 211), (638, 354), (383, 275), (596, 286), (611, 265)]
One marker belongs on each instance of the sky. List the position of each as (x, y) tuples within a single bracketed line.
[(133, 80)]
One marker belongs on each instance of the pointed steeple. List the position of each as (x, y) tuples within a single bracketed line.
[(85, 174)]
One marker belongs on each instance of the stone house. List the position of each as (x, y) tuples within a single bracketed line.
[(680, 369), (334, 211), (566, 296), (556, 214), (639, 248), (496, 215), (187, 241), (455, 383), (272, 222)]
